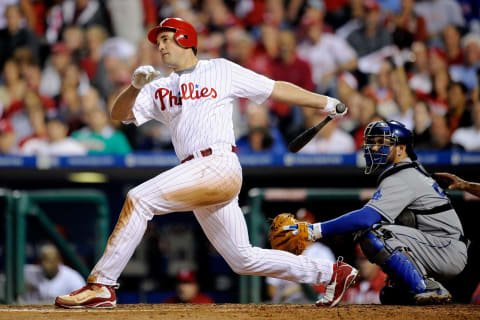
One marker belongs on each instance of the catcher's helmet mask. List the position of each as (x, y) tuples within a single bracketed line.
[(381, 135), (184, 33)]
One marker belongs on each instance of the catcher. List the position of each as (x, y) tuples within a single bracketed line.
[(409, 226)]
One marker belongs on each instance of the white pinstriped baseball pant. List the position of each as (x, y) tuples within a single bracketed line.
[(208, 186)]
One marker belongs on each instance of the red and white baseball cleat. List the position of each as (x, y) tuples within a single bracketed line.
[(343, 277), (93, 295)]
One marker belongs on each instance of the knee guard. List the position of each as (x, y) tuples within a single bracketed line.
[(396, 262)]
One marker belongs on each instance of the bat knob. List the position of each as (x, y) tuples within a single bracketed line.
[(340, 107)]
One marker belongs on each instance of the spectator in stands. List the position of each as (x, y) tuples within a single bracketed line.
[(127, 19), (406, 26), (188, 290), (404, 97), (114, 69), (288, 117), (440, 134), (49, 278), (368, 113), (422, 122), (83, 13), (352, 121), (330, 139), (467, 73), (439, 14), (70, 106), (99, 137), (57, 143), (241, 49), (20, 113), (25, 6), (261, 136), (76, 78), (55, 67), (371, 36), (380, 88), (437, 99), (269, 40), (283, 291), (74, 39), (469, 137), (372, 279), (220, 18), (459, 113), (13, 88), (453, 50), (95, 36), (328, 54), (32, 73), (420, 79), (355, 12), (7, 137), (16, 35), (30, 120)]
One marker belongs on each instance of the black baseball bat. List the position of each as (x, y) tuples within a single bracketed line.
[(307, 135)]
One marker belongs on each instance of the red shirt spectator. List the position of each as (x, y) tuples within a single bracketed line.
[(188, 290)]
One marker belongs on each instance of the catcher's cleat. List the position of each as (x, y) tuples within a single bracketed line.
[(343, 277), (435, 293), (394, 295), (93, 295)]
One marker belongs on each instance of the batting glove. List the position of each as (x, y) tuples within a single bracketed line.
[(314, 230), (331, 106), (143, 75)]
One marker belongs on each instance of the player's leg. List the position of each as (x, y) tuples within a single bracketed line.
[(225, 227), (409, 257), (202, 181)]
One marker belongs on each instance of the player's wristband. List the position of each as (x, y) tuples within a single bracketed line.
[(317, 230)]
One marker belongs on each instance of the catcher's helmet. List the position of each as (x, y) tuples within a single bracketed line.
[(185, 33), (384, 134)]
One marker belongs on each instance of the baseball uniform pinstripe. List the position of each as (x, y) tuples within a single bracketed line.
[(196, 105)]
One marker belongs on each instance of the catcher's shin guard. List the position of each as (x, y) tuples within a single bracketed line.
[(396, 263)]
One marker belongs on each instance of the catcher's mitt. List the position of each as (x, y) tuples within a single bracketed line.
[(284, 238)]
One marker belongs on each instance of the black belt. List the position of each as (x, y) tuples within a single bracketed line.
[(442, 208)]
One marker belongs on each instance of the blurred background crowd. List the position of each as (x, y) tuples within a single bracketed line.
[(63, 62)]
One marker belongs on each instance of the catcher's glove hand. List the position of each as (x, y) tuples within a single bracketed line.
[(289, 234)]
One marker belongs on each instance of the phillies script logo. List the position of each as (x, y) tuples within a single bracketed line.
[(187, 91)]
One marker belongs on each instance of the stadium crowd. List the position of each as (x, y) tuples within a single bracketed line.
[(63, 62)]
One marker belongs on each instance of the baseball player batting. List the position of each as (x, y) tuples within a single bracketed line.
[(195, 103), (409, 226)]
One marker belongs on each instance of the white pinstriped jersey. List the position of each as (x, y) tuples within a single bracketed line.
[(196, 104)]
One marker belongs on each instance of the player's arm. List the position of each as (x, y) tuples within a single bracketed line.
[(458, 183), (123, 104), (291, 94), (355, 220)]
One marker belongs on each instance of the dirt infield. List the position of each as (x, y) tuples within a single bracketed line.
[(243, 311)]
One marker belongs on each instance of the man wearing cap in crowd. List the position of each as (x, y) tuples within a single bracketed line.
[(370, 37), (188, 290)]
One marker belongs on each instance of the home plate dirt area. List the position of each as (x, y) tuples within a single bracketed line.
[(243, 311)]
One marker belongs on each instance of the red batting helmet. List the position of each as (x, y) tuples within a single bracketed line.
[(185, 33)]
